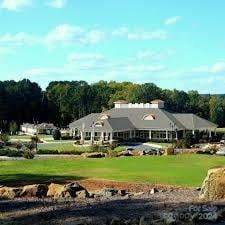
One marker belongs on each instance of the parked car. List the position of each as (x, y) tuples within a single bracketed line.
[(221, 152)]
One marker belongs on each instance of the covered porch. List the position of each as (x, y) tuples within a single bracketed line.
[(126, 135)]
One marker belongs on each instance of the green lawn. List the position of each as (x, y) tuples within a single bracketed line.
[(63, 147), (22, 137), (185, 170)]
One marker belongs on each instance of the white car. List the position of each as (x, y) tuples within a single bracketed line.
[(221, 152)]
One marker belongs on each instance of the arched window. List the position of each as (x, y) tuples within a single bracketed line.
[(99, 124), (104, 117), (149, 117)]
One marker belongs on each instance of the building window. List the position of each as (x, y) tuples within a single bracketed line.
[(104, 116), (149, 117)]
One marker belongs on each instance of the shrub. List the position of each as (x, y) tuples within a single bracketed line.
[(66, 137), (10, 153), (4, 138), (113, 146), (112, 154), (56, 134), (77, 142), (205, 137), (57, 152), (46, 151), (181, 144), (18, 145), (30, 145), (188, 139), (28, 154), (94, 147), (13, 127), (223, 137)]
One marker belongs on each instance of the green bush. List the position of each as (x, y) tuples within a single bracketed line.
[(10, 153), (77, 142), (223, 137), (57, 152), (181, 144), (28, 154), (113, 146), (56, 134), (205, 137), (188, 139), (4, 138), (94, 147), (46, 151)]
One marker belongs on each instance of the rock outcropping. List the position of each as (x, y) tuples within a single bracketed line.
[(213, 187)]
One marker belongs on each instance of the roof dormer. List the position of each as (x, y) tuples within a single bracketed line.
[(104, 117), (149, 117)]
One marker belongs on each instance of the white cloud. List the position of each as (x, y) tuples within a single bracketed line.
[(15, 4), (145, 35), (19, 39), (56, 3), (68, 34), (84, 56), (153, 55), (94, 36), (172, 20), (139, 34), (121, 31), (218, 67), (144, 68), (5, 51), (64, 34)]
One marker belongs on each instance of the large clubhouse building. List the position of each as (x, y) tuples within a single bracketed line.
[(127, 121)]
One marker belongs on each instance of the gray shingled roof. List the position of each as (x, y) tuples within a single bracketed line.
[(122, 119), (194, 122), (163, 119)]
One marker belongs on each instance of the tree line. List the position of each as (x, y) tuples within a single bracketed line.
[(65, 101)]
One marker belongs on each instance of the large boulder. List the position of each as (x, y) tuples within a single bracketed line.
[(106, 192), (213, 187), (93, 155), (35, 190), (169, 151), (124, 153), (82, 194), (9, 192), (64, 191)]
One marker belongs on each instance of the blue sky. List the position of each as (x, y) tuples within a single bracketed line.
[(173, 43)]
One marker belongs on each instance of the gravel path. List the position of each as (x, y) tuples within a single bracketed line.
[(98, 210)]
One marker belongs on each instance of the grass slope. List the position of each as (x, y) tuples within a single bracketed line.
[(185, 170)]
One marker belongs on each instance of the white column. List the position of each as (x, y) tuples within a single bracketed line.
[(111, 137), (82, 137), (102, 136), (92, 137), (193, 132), (210, 133), (176, 135), (150, 134), (167, 135)]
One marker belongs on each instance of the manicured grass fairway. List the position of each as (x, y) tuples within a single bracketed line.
[(185, 170)]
